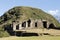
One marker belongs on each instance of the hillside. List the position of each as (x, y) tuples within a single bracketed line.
[(21, 13), (24, 13)]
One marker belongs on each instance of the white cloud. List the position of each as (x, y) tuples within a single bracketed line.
[(53, 12)]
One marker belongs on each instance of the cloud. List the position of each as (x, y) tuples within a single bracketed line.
[(53, 12)]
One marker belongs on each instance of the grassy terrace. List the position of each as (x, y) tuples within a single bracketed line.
[(49, 31), (53, 36), (33, 38)]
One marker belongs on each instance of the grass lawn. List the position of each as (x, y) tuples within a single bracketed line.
[(32, 38)]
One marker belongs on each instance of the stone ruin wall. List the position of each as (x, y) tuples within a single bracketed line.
[(33, 24)]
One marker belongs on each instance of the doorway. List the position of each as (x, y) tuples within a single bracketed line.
[(35, 24), (24, 24), (29, 22), (52, 26), (45, 24), (17, 27)]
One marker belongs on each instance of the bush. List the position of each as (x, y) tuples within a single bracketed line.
[(4, 34)]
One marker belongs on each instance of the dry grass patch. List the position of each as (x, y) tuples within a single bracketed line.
[(32, 38)]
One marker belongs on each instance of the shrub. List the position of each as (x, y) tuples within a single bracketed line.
[(4, 34)]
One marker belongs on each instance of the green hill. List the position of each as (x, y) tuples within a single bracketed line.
[(23, 13)]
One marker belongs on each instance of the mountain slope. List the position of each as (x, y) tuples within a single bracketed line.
[(57, 17), (23, 13)]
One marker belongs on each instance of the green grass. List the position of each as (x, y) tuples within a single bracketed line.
[(33, 38)]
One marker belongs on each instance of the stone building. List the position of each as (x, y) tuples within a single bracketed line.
[(31, 24)]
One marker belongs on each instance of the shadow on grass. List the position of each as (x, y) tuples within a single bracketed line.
[(26, 34)]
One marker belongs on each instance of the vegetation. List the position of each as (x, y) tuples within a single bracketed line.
[(17, 13), (3, 33), (32, 38), (23, 13)]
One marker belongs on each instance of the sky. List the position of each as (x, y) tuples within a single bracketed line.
[(50, 6)]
